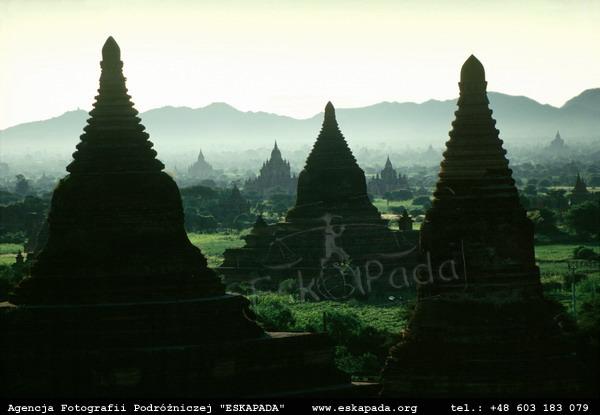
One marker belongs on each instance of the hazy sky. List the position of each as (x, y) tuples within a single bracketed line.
[(290, 57)]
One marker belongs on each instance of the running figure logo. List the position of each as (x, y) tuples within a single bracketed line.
[(331, 248)]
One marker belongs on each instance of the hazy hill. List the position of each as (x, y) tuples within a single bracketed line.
[(220, 126)]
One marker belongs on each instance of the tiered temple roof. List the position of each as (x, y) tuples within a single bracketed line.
[(481, 326)]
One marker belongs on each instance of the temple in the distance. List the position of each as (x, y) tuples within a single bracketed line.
[(201, 169), (119, 303), (331, 235), (485, 329), (387, 181), (580, 192), (275, 177), (557, 144)]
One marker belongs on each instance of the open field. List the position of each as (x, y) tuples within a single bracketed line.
[(552, 259), (384, 206), (8, 253), (213, 245)]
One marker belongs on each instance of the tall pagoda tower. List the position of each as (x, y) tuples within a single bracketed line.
[(481, 328), (120, 303), (332, 223)]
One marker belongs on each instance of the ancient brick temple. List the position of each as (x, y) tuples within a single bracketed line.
[(275, 176), (333, 238), (486, 330), (120, 303)]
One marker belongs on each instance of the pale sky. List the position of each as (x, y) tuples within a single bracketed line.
[(290, 56)]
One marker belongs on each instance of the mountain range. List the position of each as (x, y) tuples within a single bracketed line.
[(520, 120)]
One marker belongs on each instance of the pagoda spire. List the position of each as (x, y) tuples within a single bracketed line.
[(474, 171), (114, 139), (388, 163), (276, 153)]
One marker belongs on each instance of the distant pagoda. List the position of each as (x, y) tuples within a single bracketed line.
[(274, 177), (120, 303), (481, 326), (388, 180), (558, 143), (333, 225), (201, 169), (580, 192)]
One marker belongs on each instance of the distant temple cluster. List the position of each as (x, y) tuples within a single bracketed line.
[(120, 303), (275, 177)]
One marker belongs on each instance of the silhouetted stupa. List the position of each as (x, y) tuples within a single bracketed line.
[(274, 177), (120, 303), (332, 223), (116, 199), (486, 329)]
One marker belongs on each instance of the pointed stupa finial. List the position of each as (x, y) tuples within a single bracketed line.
[(557, 136), (329, 120), (388, 162), (472, 71), (111, 51), (329, 110), (275, 153)]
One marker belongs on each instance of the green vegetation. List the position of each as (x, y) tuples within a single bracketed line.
[(213, 245), (8, 253), (385, 206), (363, 332), (558, 252)]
